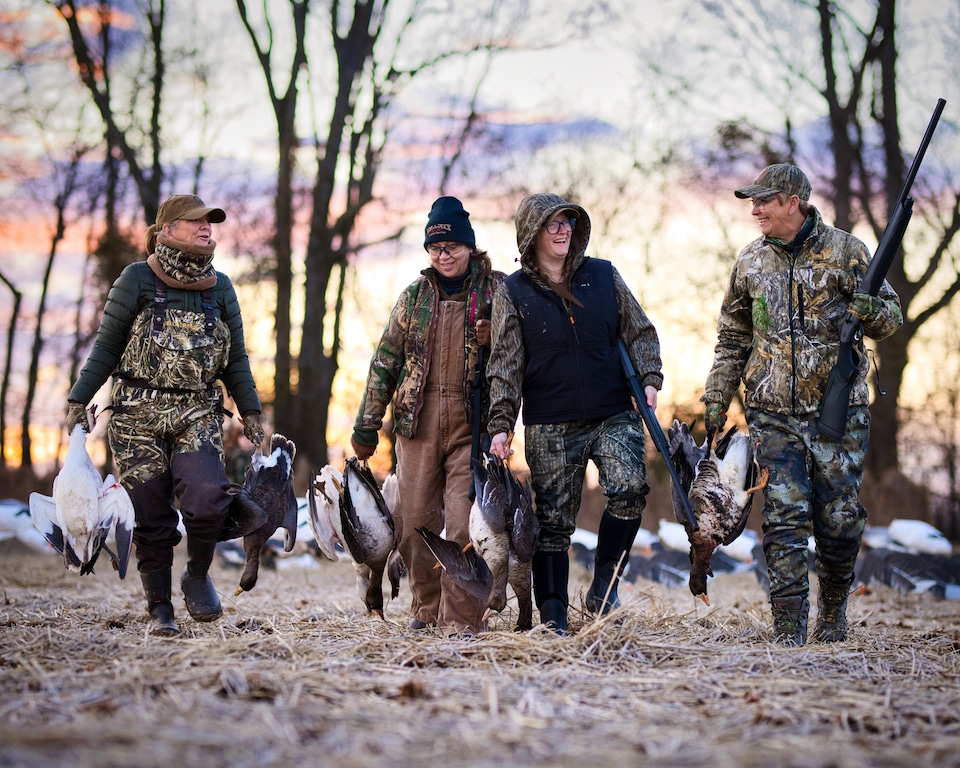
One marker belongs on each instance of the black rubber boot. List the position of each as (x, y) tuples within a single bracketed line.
[(198, 590), (832, 612), (551, 570), (156, 586), (614, 542), (790, 620)]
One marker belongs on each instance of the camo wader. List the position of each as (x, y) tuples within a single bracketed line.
[(813, 491), (166, 434)]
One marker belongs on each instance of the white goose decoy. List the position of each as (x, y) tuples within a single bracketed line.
[(83, 510), (919, 537)]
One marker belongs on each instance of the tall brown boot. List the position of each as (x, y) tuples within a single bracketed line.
[(790, 620), (832, 612), (198, 591), (156, 586)]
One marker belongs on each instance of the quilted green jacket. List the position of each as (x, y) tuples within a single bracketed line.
[(131, 294)]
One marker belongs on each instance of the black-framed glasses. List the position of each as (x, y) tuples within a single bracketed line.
[(555, 226), (439, 250)]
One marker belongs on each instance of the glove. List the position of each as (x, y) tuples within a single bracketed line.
[(76, 414), (715, 417), (362, 451), (865, 307), (252, 428)]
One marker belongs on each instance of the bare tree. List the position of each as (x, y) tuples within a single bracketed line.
[(374, 49)]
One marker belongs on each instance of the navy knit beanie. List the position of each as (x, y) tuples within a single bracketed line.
[(448, 222)]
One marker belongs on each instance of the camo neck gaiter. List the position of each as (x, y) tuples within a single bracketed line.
[(183, 265)]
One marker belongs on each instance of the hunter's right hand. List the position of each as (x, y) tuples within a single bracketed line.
[(715, 417), (500, 446), (76, 414)]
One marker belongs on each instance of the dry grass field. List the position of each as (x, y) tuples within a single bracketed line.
[(297, 674)]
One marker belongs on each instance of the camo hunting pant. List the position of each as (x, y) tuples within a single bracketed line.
[(814, 492), (557, 455)]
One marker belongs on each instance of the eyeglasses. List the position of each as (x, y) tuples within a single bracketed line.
[(439, 250), (761, 202), (555, 226)]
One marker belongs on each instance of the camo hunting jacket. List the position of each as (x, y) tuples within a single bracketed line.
[(402, 359), (779, 325), (167, 357)]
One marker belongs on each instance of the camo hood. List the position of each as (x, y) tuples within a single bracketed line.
[(536, 210)]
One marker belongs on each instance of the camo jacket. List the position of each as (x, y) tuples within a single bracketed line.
[(402, 359), (164, 358), (779, 325), (508, 358)]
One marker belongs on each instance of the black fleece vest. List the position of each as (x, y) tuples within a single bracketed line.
[(571, 363)]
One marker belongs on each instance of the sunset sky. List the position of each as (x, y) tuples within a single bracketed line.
[(603, 78)]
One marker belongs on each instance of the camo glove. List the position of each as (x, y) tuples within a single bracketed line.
[(76, 414), (252, 428), (715, 417), (865, 307)]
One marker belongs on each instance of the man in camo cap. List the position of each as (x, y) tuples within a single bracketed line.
[(779, 333)]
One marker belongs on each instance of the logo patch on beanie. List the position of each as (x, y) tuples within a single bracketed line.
[(439, 229)]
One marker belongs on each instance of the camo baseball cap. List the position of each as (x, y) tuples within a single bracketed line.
[(781, 177), (188, 207)]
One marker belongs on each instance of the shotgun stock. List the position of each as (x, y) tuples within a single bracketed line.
[(832, 422)]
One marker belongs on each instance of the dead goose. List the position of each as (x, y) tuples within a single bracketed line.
[(368, 530), (83, 510), (722, 482), (269, 484)]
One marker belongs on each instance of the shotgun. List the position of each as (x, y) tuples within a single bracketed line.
[(832, 422), (655, 430)]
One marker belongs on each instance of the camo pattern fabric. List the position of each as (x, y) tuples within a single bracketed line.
[(558, 454), (399, 367), (149, 427), (779, 325), (132, 293), (178, 356), (813, 491)]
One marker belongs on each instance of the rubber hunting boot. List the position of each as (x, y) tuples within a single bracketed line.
[(614, 542), (551, 570), (156, 587), (198, 590)]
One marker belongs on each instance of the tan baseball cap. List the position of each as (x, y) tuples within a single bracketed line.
[(188, 207)]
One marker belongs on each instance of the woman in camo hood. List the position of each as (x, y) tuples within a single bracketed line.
[(556, 322)]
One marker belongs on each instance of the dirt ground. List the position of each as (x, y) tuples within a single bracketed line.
[(296, 673)]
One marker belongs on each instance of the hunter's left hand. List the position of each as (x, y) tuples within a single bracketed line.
[(865, 307)]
